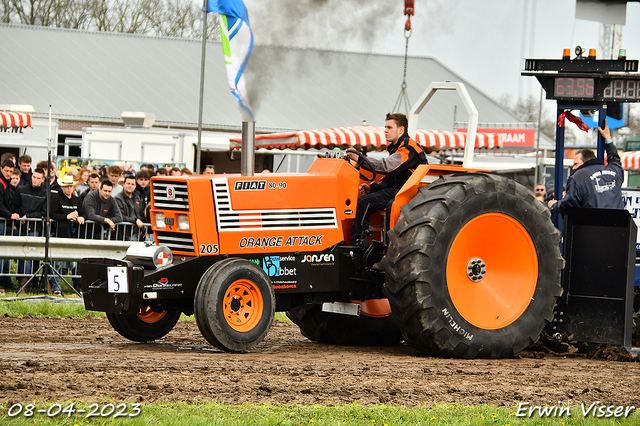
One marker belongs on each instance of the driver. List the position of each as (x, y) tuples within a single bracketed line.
[(404, 156)]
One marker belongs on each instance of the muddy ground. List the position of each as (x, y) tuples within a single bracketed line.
[(85, 359)]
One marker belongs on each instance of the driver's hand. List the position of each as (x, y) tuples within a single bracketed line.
[(364, 189), (352, 156)]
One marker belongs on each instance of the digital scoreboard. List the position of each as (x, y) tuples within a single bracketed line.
[(587, 80), (618, 90), (570, 87), (622, 90)]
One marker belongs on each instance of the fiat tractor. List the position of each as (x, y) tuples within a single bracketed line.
[(464, 263)]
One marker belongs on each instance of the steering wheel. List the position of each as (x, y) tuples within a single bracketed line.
[(363, 161)]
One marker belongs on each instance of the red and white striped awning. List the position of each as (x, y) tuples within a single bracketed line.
[(630, 160), (370, 138), (15, 119)]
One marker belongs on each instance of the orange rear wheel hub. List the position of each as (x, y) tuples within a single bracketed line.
[(492, 271), (243, 305)]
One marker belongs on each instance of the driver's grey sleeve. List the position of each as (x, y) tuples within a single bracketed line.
[(386, 165)]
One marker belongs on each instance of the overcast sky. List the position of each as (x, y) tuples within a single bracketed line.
[(483, 41)]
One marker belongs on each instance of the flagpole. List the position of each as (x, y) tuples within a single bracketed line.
[(204, 50)]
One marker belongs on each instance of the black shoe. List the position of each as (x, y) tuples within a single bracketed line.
[(360, 243)]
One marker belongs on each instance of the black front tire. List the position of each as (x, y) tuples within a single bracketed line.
[(234, 305)]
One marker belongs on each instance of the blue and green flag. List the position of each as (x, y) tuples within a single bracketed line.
[(237, 43)]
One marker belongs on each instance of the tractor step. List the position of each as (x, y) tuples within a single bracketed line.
[(341, 308)]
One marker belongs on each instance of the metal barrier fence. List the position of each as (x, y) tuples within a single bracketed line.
[(124, 231), (23, 240)]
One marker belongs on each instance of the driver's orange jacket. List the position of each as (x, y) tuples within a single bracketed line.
[(404, 156)]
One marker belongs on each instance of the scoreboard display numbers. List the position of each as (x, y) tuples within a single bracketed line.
[(622, 90), (571, 87)]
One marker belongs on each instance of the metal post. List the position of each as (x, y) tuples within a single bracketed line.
[(204, 50), (248, 144), (536, 171), (602, 116), (559, 168), (48, 197)]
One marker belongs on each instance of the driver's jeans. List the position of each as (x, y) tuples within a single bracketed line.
[(367, 205)]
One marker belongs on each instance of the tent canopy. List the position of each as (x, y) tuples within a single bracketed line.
[(630, 160), (366, 138), (15, 119)]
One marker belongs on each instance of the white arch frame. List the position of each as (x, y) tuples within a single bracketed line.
[(468, 104)]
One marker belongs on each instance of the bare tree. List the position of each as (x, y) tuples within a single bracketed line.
[(75, 14), (177, 19), (528, 110), (101, 18), (130, 17), (6, 11), (34, 12), (213, 27), (171, 18)]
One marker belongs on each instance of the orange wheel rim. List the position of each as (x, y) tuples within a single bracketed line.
[(147, 314), (492, 271), (243, 305)]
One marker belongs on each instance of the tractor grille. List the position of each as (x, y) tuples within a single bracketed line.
[(176, 241), (161, 189), (273, 219)]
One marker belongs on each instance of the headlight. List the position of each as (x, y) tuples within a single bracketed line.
[(159, 220), (183, 222)]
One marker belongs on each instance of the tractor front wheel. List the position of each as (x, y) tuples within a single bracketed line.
[(473, 267), (234, 305)]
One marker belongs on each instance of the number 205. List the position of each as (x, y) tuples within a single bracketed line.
[(209, 249)]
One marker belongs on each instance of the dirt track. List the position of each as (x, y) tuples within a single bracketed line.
[(84, 359)]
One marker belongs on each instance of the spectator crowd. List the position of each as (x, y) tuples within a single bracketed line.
[(115, 204)]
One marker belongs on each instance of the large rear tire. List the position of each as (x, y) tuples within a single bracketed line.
[(347, 330), (234, 305), (146, 326), (473, 267)]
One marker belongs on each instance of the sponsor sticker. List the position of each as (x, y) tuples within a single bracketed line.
[(171, 193), (319, 259), (273, 267), (250, 185), (163, 258)]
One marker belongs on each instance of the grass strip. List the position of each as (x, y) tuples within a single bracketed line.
[(44, 308), (195, 414), (50, 309)]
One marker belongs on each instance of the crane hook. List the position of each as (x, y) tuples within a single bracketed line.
[(409, 11)]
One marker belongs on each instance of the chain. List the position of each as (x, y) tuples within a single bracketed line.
[(403, 97), (406, 56)]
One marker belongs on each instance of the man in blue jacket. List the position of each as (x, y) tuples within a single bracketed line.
[(592, 184)]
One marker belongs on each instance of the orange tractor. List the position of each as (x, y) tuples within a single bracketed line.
[(469, 267)]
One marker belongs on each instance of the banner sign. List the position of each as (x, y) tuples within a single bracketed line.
[(512, 137)]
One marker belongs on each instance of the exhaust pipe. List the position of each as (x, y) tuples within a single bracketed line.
[(247, 159)]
